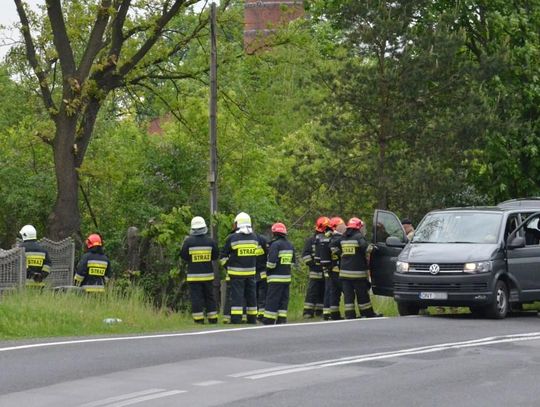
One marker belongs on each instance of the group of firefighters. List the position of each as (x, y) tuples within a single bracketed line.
[(258, 271)]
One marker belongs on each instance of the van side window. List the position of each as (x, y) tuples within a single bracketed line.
[(511, 224), (532, 231)]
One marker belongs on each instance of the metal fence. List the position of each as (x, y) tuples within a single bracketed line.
[(12, 269), (62, 255)]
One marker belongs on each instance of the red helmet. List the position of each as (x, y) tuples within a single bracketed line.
[(279, 228), (355, 223), (335, 221), (93, 240), (322, 223)]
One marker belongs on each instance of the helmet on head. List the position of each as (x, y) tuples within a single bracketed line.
[(322, 223), (279, 228), (28, 232), (198, 222), (242, 219), (93, 240), (335, 221), (355, 223)]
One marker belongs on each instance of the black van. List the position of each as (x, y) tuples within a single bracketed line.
[(484, 258)]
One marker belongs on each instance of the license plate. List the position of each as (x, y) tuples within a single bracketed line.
[(433, 296)]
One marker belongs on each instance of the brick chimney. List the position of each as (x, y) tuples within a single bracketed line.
[(263, 17)]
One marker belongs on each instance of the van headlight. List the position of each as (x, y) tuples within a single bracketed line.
[(478, 267), (402, 267)]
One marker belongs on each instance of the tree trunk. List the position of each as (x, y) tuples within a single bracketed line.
[(65, 219)]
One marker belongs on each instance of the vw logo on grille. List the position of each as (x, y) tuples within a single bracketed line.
[(434, 269)]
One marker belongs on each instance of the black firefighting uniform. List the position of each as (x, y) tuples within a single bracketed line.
[(280, 259), (314, 301), (260, 276), (353, 273), (323, 248), (198, 251), (335, 283), (239, 256), (93, 270), (38, 263)]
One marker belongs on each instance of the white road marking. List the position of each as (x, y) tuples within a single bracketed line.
[(208, 383), (282, 370), (174, 335), (120, 398), (146, 398)]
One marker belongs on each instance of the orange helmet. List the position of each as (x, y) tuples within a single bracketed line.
[(355, 223), (322, 223), (335, 221), (93, 240), (279, 228)]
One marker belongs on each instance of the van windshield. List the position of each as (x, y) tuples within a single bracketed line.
[(459, 227)]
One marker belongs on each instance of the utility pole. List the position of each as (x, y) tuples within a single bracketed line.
[(212, 175)]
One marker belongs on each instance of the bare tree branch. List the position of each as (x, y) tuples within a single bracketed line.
[(95, 41), (32, 59), (60, 38)]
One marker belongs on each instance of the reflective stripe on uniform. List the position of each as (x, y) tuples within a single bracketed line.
[(319, 306), (237, 310), (223, 260), (278, 278), (349, 307), (200, 277), (316, 275), (251, 311), (46, 268), (270, 265), (35, 259), (353, 273), (197, 316), (270, 314), (200, 254), (263, 275), (241, 271), (282, 313), (365, 306), (212, 314)]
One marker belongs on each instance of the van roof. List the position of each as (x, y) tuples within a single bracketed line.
[(531, 202), (472, 208)]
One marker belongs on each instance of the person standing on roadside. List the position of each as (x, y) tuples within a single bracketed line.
[(198, 251), (38, 262), (280, 260)]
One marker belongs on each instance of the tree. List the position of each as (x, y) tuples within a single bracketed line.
[(99, 47)]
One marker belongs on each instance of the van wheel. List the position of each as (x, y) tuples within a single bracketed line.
[(500, 306), (407, 308)]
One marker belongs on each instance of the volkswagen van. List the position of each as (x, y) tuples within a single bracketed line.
[(484, 258)]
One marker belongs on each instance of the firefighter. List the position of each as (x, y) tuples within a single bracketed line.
[(323, 252), (94, 269), (260, 277), (353, 270), (198, 251), (280, 259), (338, 228), (314, 302), (239, 256), (38, 262)]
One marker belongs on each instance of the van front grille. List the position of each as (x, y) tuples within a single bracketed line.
[(446, 287)]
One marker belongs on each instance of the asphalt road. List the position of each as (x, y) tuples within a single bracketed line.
[(413, 361)]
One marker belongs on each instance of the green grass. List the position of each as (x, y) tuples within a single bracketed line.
[(40, 314)]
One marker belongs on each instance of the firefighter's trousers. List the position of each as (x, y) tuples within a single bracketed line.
[(202, 299), (277, 303), (243, 292), (314, 302), (356, 289)]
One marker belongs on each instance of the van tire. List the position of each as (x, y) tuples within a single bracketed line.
[(500, 306), (407, 308)]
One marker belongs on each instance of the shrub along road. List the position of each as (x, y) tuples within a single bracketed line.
[(443, 360)]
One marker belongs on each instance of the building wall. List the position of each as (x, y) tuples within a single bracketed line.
[(263, 17)]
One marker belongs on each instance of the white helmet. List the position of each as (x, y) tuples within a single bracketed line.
[(198, 222), (242, 219), (198, 226), (28, 232)]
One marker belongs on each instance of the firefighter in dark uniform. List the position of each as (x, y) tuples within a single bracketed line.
[(338, 228), (314, 302), (353, 270), (94, 268), (239, 256), (198, 251), (323, 250), (38, 262), (260, 276), (280, 259)]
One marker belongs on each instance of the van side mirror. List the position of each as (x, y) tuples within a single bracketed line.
[(392, 241), (516, 242)]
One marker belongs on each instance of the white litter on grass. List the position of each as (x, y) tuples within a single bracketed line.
[(112, 320)]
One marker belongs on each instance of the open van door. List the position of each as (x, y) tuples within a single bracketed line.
[(383, 257)]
